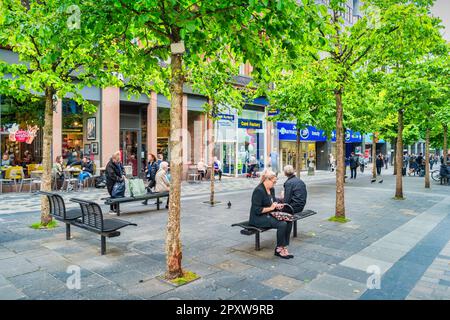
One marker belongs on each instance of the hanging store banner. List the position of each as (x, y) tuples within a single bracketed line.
[(249, 124), (272, 113), (225, 120), (223, 116)]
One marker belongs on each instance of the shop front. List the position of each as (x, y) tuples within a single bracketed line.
[(352, 141), (310, 139), (133, 139), (241, 141), (72, 130), (380, 146)]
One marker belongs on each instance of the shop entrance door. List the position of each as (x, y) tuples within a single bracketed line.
[(131, 148), (228, 157)]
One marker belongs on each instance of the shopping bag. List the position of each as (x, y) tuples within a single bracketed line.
[(137, 187), (118, 190)]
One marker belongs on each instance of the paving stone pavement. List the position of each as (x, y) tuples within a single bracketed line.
[(409, 241)]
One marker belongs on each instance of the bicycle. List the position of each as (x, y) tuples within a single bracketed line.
[(435, 175)]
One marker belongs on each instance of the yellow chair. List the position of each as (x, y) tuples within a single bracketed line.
[(34, 167), (16, 173)]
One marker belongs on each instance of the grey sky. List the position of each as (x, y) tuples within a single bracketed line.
[(441, 9)]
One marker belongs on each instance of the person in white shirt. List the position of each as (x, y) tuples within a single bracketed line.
[(218, 168), (201, 168)]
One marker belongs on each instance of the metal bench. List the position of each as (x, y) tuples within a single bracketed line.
[(117, 201), (92, 220), (249, 230), (59, 212)]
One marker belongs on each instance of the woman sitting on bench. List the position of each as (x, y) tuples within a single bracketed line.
[(263, 204)]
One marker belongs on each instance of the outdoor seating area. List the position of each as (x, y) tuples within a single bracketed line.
[(17, 179), (29, 179)]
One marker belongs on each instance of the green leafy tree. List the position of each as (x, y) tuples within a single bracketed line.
[(180, 33), (62, 47)]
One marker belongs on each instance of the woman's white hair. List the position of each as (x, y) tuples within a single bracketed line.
[(164, 165), (288, 170), (267, 174)]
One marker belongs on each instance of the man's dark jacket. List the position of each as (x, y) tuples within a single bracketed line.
[(354, 162), (295, 193)]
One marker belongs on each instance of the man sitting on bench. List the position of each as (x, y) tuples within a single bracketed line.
[(263, 206), (444, 172), (294, 190)]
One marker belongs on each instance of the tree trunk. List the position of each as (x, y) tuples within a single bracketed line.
[(427, 159), (211, 146), (399, 155), (298, 151), (173, 242), (374, 155), (445, 146), (340, 162), (46, 184), (395, 158)]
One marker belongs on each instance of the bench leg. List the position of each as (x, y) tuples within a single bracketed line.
[(257, 245), (295, 229), (67, 231), (118, 209), (103, 245), (157, 203)]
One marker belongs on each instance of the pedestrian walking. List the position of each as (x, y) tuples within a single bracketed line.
[(361, 162), (379, 163), (386, 161), (354, 163), (331, 162)]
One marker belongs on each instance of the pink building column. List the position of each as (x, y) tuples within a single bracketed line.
[(110, 122), (152, 124), (57, 131), (199, 139)]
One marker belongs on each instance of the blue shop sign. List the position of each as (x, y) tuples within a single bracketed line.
[(288, 131), (249, 124), (350, 136)]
